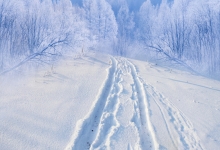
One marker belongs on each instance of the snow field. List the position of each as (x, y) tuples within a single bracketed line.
[(106, 102), (40, 110)]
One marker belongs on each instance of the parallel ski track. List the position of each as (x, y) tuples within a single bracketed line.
[(188, 138)]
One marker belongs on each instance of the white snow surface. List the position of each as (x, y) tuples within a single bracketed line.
[(99, 102)]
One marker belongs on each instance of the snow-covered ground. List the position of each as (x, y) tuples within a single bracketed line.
[(106, 102)]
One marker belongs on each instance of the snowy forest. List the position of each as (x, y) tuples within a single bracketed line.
[(40, 31)]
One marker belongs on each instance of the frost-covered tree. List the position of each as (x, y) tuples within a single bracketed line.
[(101, 21), (7, 31), (185, 31), (36, 30), (206, 36), (145, 24), (125, 28)]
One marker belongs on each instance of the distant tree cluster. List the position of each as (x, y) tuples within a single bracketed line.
[(101, 23), (184, 30), (36, 30)]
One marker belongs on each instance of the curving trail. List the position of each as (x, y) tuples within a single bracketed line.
[(121, 116)]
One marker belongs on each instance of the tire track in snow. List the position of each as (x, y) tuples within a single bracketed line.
[(175, 119), (87, 128), (146, 129)]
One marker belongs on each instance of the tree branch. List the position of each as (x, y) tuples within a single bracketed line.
[(160, 50), (43, 52)]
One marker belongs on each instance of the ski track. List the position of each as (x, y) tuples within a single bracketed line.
[(146, 125), (188, 138), (102, 125), (109, 123)]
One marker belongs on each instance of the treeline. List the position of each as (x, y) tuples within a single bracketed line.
[(185, 31)]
